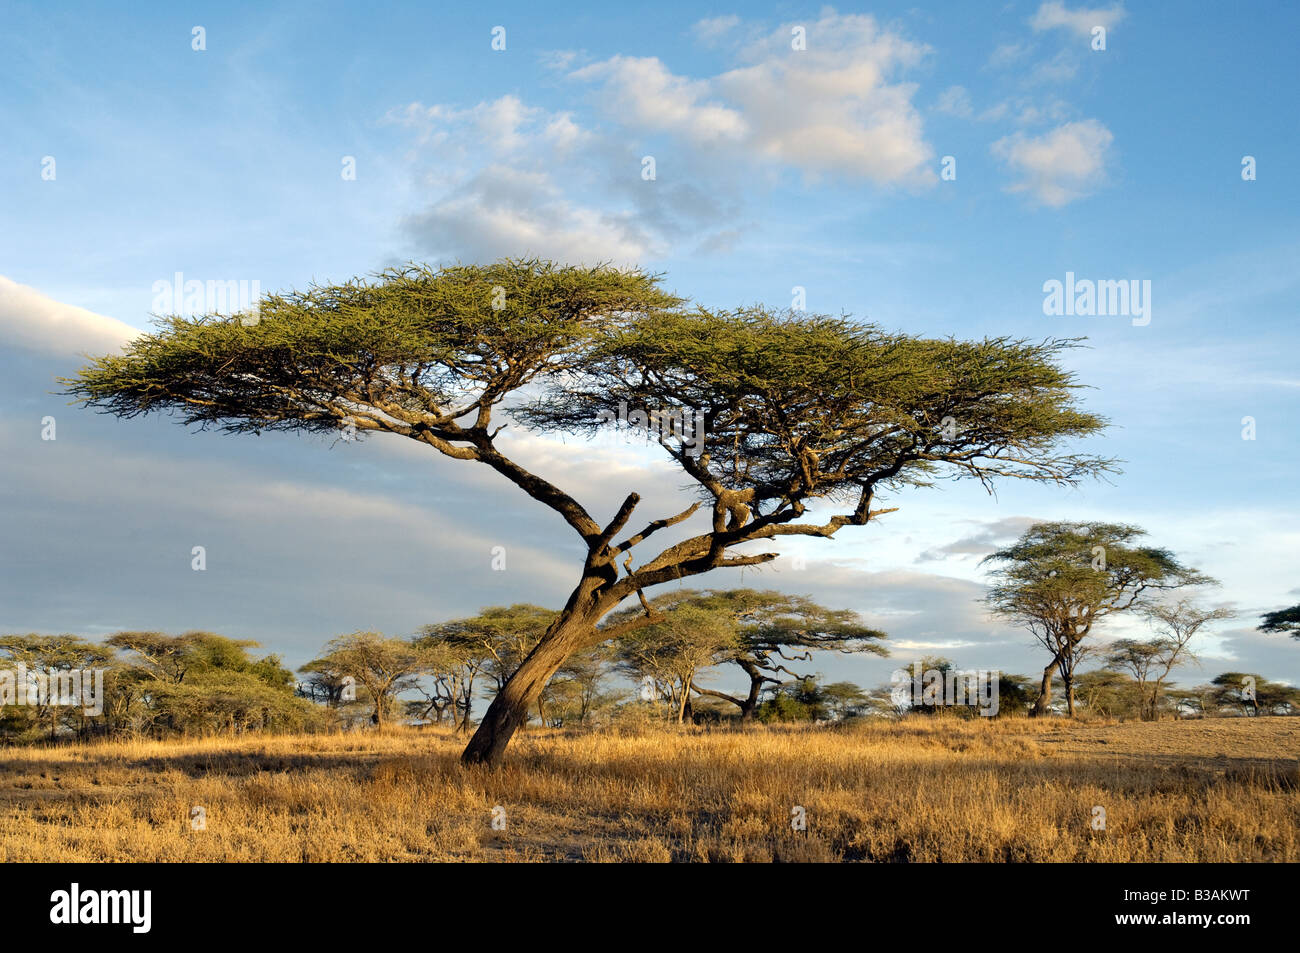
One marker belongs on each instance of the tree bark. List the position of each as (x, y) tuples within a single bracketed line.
[(750, 705), (685, 702), (575, 626), (1044, 692)]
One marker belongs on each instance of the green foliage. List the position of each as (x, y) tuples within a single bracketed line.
[(384, 667), (798, 700), (801, 406), (201, 682), (693, 633), (159, 684), (1060, 579), (226, 700), (1110, 693), (40, 654), (1015, 693), (1283, 620), (496, 640), (1250, 694), (1081, 571), (758, 631), (845, 700), (414, 341)]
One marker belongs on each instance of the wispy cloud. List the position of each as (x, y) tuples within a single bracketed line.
[(1056, 15), (1060, 166)]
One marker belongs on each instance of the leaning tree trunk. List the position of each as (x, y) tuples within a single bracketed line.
[(1044, 692), (574, 627), (750, 705)]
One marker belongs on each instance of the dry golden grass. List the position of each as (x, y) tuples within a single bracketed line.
[(923, 789)]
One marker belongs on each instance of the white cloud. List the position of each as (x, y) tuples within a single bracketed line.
[(1006, 54), (954, 101), (1060, 68), (501, 126), (507, 178), (642, 91), (834, 107), (1055, 15), (30, 320), (508, 211), (501, 168), (712, 29), (1059, 166)]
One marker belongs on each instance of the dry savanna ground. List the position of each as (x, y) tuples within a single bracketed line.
[(921, 789)]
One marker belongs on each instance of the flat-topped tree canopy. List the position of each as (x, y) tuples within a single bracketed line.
[(1070, 574), (804, 406), (416, 350)]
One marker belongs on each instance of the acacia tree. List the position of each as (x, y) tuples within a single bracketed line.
[(692, 634), (499, 637), (845, 700), (384, 667), (1104, 691), (1252, 692), (1060, 579), (201, 681), (1151, 662), (772, 629), (807, 418), (452, 669), (42, 655)]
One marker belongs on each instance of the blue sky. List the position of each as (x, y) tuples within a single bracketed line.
[(775, 168)]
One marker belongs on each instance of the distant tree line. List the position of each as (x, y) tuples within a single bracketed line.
[(152, 684), (201, 683)]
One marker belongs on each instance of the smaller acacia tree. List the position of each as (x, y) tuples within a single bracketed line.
[(845, 700), (198, 682), (1252, 693), (759, 631), (1151, 662), (40, 655), (493, 643), (692, 634), (775, 629), (499, 637), (1060, 579), (384, 667), (1105, 692)]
